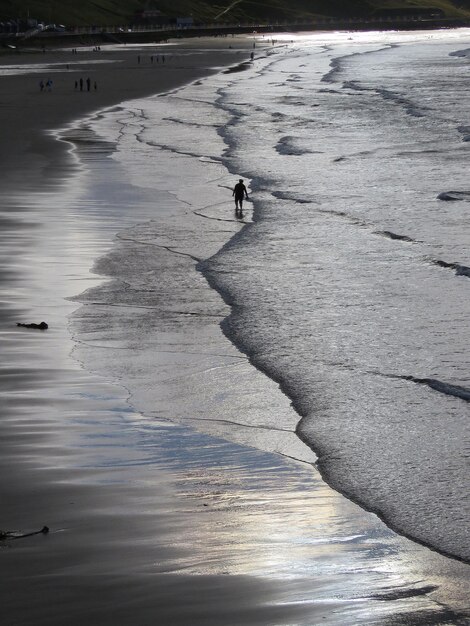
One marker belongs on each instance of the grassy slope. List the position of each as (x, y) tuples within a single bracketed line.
[(103, 12)]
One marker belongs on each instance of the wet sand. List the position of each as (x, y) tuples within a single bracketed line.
[(151, 522), (119, 75)]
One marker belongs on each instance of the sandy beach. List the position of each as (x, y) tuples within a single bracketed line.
[(120, 75), (150, 521)]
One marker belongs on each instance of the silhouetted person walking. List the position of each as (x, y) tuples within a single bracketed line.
[(88, 84), (239, 192), (81, 84)]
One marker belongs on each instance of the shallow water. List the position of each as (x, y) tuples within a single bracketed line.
[(351, 287), (358, 302), (341, 282)]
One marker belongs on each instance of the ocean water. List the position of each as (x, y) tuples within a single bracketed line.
[(346, 283)]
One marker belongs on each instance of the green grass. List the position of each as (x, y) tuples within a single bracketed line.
[(121, 12)]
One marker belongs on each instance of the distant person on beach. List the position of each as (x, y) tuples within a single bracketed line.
[(81, 84), (88, 84), (41, 85), (239, 193)]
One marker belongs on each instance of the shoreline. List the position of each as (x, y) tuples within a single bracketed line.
[(274, 374), (120, 75), (330, 481), (138, 505)]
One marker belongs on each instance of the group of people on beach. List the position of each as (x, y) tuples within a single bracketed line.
[(79, 84), (45, 85), (153, 57)]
